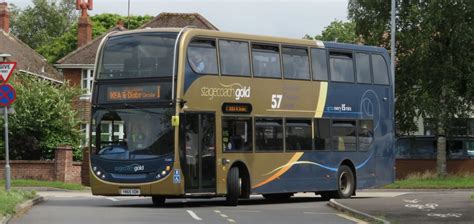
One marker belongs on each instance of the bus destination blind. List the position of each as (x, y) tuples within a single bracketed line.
[(237, 108), (133, 93)]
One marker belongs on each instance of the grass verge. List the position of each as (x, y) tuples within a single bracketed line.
[(9, 200), (39, 183), (431, 181)]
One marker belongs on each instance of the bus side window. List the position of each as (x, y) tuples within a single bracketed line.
[(269, 134), (235, 59), (365, 134), (237, 134), (322, 134), (266, 61), (342, 67), (379, 67), (298, 135), (295, 63), (363, 68), (343, 134), (320, 64), (202, 56)]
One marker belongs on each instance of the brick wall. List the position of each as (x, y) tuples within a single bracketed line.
[(408, 166), (73, 75), (62, 168)]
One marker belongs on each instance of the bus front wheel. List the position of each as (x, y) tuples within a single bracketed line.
[(345, 182), (233, 187), (158, 201)]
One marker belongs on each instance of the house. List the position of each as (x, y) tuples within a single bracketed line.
[(78, 66), (28, 61)]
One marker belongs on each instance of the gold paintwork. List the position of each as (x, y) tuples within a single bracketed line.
[(305, 99)]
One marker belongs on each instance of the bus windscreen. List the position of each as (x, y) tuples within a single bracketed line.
[(140, 55)]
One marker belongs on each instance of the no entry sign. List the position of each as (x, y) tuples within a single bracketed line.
[(7, 95), (6, 70)]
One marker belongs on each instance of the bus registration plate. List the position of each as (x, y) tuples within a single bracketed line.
[(130, 191)]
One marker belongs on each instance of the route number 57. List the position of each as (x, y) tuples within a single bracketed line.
[(276, 100)]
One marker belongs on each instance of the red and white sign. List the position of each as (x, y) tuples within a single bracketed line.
[(6, 70)]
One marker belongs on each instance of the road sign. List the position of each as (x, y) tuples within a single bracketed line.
[(6, 70), (7, 95)]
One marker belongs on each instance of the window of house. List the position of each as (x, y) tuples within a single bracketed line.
[(269, 134), (320, 64), (366, 134), (322, 134), (84, 129), (87, 78), (379, 67), (343, 134), (295, 63), (298, 134), (342, 67), (266, 60), (363, 68), (237, 134), (235, 59), (202, 56)]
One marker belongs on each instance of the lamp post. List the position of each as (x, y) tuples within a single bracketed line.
[(7, 156)]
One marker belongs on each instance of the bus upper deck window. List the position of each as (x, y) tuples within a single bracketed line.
[(266, 61), (342, 67), (202, 56), (234, 57), (320, 64), (295, 63), (379, 66), (363, 68)]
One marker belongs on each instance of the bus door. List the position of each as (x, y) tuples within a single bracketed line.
[(198, 152)]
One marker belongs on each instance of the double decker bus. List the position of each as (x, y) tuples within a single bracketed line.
[(199, 113)]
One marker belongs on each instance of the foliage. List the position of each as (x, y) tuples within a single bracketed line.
[(41, 183), (67, 42), (338, 31), (435, 54), (45, 20), (9, 200), (433, 182), (44, 118)]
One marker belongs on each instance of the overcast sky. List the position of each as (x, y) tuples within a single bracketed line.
[(284, 18)]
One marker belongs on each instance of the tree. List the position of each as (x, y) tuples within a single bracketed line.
[(338, 31), (44, 118), (434, 74), (45, 20), (67, 42)]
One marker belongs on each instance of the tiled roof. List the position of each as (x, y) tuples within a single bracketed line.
[(28, 60), (167, 19), (86, 54)]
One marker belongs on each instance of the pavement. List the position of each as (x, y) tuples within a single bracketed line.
[(421, 206)]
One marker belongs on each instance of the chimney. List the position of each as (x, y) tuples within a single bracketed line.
[(84, 31), (4, 17)]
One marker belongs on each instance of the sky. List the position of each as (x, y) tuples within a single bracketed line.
[(284, 18)]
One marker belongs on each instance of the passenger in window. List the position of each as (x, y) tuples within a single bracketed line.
[(197, 62)]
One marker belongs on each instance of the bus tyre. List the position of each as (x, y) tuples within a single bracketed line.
[(345, 182), (233, 187), (158, 201), (278, 197)]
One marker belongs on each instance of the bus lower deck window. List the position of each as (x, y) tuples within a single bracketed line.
[(237, 134)]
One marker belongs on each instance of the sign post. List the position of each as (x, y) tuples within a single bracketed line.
[(7, 97)]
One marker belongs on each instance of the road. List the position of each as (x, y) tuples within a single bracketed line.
[(66, 207)]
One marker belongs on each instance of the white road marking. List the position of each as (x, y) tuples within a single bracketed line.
[(358, 221), (224, 216), (217, 211), (112, 199), (192, 214), (230, 220)]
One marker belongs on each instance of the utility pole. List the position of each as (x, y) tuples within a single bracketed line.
[(7, 156), (392, 43)]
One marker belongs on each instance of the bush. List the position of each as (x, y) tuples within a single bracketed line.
[(44, 118)]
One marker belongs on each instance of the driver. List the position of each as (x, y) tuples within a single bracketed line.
[(137, 137)]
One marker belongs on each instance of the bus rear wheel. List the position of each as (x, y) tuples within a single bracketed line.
[(278, 197), (233, 187), (345, 182), (158, 201)]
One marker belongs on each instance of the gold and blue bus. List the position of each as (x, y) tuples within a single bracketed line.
[(199, 113)]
